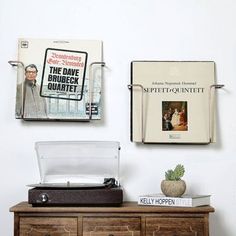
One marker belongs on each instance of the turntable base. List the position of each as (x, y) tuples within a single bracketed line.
[(75, 197)]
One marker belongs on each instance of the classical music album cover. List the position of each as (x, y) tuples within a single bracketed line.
[(59, 79), (171, 101)]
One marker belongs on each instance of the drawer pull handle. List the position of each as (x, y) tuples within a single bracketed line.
[(111, 235), (47, 235)]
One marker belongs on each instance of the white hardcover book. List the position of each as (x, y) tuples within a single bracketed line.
[(184, 201)]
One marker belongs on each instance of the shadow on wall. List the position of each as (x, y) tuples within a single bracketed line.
[(217, 227)]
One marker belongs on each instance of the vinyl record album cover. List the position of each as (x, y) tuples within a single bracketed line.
[(54, 80), (171, 101)]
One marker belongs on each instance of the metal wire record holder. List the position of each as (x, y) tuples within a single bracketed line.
[(20, 64), (143, 128)]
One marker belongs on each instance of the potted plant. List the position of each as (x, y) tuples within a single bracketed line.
[(173, 185)]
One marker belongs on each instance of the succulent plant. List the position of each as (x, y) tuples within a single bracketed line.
[(176, 174)]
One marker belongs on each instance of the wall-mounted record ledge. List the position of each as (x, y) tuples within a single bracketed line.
[(15, 63), (132, 86)]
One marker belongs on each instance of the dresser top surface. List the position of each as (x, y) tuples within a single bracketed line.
[(126, 207)]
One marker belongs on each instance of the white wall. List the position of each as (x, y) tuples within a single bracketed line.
[(130, 30)]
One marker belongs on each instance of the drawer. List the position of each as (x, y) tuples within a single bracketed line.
[(111, 226), (48, 226), (171, 226)]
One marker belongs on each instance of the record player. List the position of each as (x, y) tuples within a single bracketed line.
[(77, 173)]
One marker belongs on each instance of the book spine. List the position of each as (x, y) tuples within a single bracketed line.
[(165, 201)]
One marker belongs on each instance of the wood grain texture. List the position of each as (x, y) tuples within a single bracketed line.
[(129, 207), (175, 226), (104, 226), (127, 220), (50, 226)]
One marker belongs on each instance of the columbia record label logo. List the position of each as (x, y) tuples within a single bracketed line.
[(24, 44)]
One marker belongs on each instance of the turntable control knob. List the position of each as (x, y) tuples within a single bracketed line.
[(43, 197)]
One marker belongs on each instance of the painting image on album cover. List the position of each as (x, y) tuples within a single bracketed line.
[(174, 116)]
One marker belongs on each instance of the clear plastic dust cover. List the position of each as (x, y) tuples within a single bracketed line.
[(82, 162)]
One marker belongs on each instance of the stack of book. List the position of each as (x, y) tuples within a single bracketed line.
[(184, 201)]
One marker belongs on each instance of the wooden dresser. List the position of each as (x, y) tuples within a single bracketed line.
[(127, 220)]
